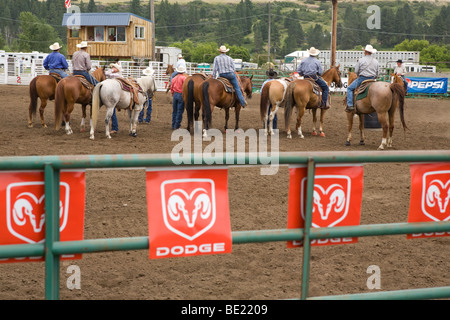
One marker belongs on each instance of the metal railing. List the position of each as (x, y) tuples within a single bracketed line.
[(52, 248)]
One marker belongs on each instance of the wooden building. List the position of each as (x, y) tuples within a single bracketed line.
[(109, 35)]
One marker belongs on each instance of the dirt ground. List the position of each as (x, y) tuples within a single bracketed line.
[(116, 207)]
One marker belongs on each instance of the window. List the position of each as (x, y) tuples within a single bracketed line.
[(116, 33), (74, 33), (139, 32), (99, 34)]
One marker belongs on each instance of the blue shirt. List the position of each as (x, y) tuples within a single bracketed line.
[(223, 64), (55, 60), (310, 67)]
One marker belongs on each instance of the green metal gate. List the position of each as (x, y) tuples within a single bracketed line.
[(53, 248)]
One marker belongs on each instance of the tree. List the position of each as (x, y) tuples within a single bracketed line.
[(135, 7), (35, 34), (92, 7), (412, 45)]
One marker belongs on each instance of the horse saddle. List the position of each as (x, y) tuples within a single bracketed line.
[(363, 89), (226, 84), (56, 76), (317, 90), (130, 85), (84, 82)]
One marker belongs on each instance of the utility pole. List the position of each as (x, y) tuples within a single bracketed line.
[(268, 38), (333, 32), (152, 17)]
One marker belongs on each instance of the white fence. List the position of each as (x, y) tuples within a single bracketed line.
[(12, 71)]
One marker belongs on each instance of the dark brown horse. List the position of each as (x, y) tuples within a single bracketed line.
[(384, 99), (69, 91), (192, 94), (300, 93), (215, 95), (42, 87)]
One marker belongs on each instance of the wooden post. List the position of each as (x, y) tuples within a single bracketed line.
[(152, 17), (334, 32), (268, 37)]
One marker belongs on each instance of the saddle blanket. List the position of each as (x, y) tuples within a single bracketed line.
[(363, 89), (84, 82)]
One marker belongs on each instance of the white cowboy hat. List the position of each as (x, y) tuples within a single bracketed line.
[(370, 49), (117, 66), (313, 51), (181, 69), (149, 71), (223, 49), (55, 46), (180, 56), (83, 44)]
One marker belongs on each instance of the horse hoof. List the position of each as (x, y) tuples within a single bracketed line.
[(347, 143), (289, 136), (302, 137), (133, 134), (91, 137), (362, 143), (322, 134), (314, 133)]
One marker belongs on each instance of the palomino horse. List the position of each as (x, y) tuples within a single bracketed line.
[(273, 93), (215, 95), (300, 93), (192, 94), (382, 98), (170, 69), (110, 94), (69, 91), (42, 87)]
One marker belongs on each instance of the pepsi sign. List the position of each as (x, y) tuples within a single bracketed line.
[(427, 85)]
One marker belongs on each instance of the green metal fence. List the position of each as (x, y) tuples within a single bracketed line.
[(53, 248)]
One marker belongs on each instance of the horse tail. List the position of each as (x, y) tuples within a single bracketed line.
[(96, 103), (190, 101), (33, 97), (206, 105), (399, 94), (264, 104), (60, 102), (288, 103)]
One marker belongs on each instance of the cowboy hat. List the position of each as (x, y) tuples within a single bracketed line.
[(117, 66), (223, 49), (313, 52), (399, 61), (149, 71), (181, 69), (180, 56), (370, 49), (82, 44), (55, 46), (271, 73)]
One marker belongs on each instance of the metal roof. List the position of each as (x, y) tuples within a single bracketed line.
[(99, 19)]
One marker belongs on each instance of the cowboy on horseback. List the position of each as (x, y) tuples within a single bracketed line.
[(224, 66), (311, 68), (180, 63), (400, 70), (366, 68), (55, 62), (81, 63)]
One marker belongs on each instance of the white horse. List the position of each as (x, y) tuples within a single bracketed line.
[(110, 94)]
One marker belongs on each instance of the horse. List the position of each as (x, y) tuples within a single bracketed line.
[(110, 94), (42, 87), (397, 79), (272, 93), (170, 69), (384, 99), (69, 91), (300, 93), (215, 94), (192, 94)]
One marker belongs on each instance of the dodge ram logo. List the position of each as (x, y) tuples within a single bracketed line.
[(436, 195)]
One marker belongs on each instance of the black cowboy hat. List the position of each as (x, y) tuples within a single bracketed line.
[(399, 60), (271, 73)]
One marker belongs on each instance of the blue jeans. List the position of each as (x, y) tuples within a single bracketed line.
[(351, 88), (149, 112), (323, 85), (233, 80), (173, 75), (275, 119), (86, 74), (178, 109), (114, 123), (60, 72)]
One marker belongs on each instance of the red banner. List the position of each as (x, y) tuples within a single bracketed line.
[(23, 215), (337, 200), (430, 196), (188, 212)]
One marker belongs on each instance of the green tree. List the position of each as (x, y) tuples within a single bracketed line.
[(435, 54), (412, 45), (35, 34), (92, 7)]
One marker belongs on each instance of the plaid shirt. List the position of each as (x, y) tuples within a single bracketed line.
[(223, 64)]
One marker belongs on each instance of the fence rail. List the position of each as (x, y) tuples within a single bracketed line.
[(53, 248)]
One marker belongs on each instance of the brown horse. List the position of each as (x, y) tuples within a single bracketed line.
[(192, 94), (384, 99), (215, 95), (42, 87), (300, 93), (170, 69), (69, 91), (273, 93), (397, 79)]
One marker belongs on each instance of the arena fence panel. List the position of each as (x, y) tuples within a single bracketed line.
[(52, 248)]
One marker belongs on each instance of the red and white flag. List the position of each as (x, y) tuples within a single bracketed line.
[(67, 4)]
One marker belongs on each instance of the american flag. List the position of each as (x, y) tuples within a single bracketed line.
[(67, 4)]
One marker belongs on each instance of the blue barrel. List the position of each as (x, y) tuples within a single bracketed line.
[(371, 121)]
